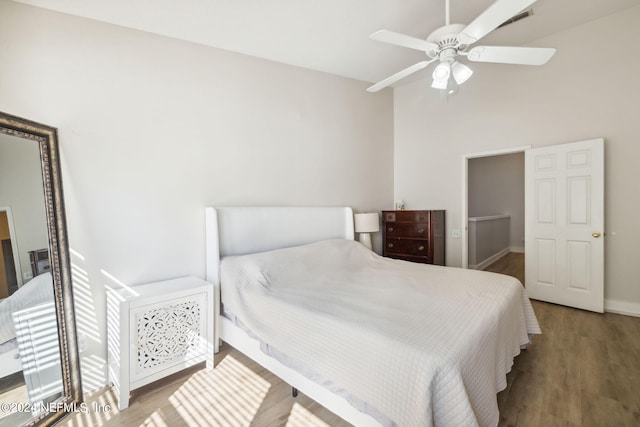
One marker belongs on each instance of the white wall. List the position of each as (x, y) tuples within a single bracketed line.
[(21, 190), (589, 89), (496, 186), (153, 129)]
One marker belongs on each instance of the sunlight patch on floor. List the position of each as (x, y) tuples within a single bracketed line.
[(154, 420), (234, 401), (302, 417), (88, 416), (230, 395)]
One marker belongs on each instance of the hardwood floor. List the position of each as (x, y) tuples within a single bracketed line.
[(238, 392), (13, 390), (511, 264), (583, 370)]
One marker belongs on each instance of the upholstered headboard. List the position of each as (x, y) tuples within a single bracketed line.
[(244, 230)]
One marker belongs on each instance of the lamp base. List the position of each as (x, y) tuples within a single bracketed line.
[(365, 239)]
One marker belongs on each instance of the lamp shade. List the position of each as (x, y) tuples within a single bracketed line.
[(461, 72), (366, 222), (447, 76), (442, 71)]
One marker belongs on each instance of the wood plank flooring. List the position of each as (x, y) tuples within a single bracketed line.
[(13, 390), (511, 264), (583, 370), (238, 392)]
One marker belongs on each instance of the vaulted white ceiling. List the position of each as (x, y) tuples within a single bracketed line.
[(326, 35)]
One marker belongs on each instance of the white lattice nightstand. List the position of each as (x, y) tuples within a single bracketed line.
[(157, 329)]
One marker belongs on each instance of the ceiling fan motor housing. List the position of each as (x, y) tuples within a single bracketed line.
[(446, 36), (447, 54)]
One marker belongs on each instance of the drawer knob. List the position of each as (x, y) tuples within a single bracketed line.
[(390, 229), (421, 231), (420, 248), (390, 245)]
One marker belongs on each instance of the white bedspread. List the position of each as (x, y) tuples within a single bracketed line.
[(411, 344), (36, 291)]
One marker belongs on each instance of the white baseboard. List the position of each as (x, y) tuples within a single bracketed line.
[(622, 307), (517, 249), (493, 258)]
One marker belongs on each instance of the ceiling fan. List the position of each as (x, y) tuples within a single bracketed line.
[(447, 43)]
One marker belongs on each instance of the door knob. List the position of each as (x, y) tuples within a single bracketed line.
[(596, 234)]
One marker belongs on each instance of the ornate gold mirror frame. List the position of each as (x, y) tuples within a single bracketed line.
[(47, 140)]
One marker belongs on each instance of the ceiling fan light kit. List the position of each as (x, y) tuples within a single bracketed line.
[(461, 72), (446, 73), (442, 72), (446, 43)]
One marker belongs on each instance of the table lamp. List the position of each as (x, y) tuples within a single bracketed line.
[(366, 223)]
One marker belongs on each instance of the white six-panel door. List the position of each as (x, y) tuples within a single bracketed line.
[(564, 231)]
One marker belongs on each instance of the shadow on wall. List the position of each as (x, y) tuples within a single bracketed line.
[(90, 341)]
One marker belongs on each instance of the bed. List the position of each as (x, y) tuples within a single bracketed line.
[(36, 291), (9, 358), (375, 340)]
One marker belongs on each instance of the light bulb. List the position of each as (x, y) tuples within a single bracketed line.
[(461, 72), (442, 71)]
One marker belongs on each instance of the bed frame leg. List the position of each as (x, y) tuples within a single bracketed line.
[(294, 392)]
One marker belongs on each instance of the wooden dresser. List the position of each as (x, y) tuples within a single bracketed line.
[(416, 236), (39, 262)]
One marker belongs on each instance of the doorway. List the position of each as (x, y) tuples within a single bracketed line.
[(10, 272), (494, 211), (564, 210)]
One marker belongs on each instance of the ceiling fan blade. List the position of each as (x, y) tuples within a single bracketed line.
[(489, 20), (399, 75), (398, 39), (511, 55)]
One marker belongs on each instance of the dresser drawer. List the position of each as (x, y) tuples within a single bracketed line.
[(402, 229), (414, 235), (412, 258), (417, 247), (406, 216)]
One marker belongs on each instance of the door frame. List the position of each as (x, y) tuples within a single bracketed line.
[(14, 243), (465, 193)]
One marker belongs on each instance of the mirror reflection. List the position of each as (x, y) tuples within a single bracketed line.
[(30, 370)]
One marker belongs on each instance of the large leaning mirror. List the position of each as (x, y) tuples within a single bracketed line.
[(39, 361)]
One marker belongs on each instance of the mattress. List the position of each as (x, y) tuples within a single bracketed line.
[(8, 346), (34, 292), (9, 358), (410, 344)]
